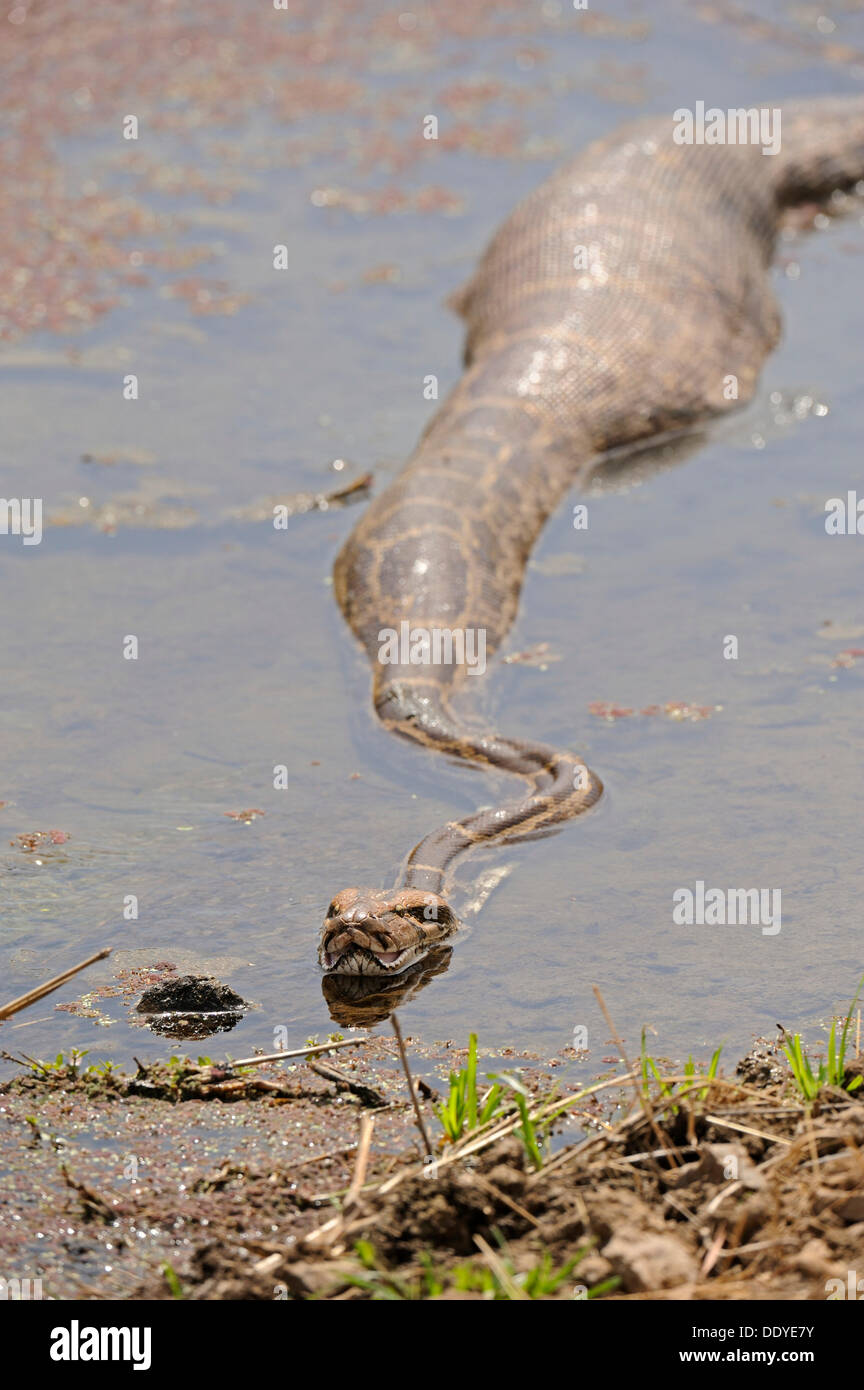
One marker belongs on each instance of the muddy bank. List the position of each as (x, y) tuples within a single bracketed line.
[(109, 1175), (737, 1196), (216, 1183)]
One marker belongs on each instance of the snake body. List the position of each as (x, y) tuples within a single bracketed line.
[(616, 303)]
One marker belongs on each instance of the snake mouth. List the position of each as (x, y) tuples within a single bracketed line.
[(371, 933), (359, 960)]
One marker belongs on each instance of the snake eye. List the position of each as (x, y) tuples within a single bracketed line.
[(331, 911)]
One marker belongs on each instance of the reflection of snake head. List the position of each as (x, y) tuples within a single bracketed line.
[(361, 1001), (367, 932)]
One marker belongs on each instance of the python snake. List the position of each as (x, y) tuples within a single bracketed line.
[(615, 304)]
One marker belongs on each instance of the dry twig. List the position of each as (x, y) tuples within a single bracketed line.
[(32, 995)]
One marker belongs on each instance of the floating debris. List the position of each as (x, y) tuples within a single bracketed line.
[(539, 656), (848, 658), (205, 296), (38, 839), (145, 511), (278, 509), (840, 632), (136, 458), (380, 201), (604, 710), (677, 710)]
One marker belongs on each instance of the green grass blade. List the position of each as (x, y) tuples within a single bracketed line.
[(471, 1082)]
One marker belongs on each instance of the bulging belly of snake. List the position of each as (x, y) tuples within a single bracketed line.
[(618, 302)]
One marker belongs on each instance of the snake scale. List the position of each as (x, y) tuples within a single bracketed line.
[(567, 357)]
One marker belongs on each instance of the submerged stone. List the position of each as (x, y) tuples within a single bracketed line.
[(190, 993), (191, 1006)]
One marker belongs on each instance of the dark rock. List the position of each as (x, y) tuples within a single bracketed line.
[(188, 994), (191, 1006)]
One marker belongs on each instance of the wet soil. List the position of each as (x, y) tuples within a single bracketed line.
[(218, 1183)]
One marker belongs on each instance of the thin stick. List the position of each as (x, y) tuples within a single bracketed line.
[(281, 1056), (402, 1053), (334, 1229), (747, 1129), (508, 1201), (367, 1123), (8, 1057), (715, 1250), (49, 986)]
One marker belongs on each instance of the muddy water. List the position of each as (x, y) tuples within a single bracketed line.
[(251, 383)]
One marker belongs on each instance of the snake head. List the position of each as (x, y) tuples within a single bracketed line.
[(367, 932)]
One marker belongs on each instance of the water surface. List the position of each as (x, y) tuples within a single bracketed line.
[(244, 662)]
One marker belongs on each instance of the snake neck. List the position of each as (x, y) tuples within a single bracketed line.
[(561, 786)]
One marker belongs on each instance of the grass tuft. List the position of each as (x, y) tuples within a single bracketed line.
[(830, 1072)]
